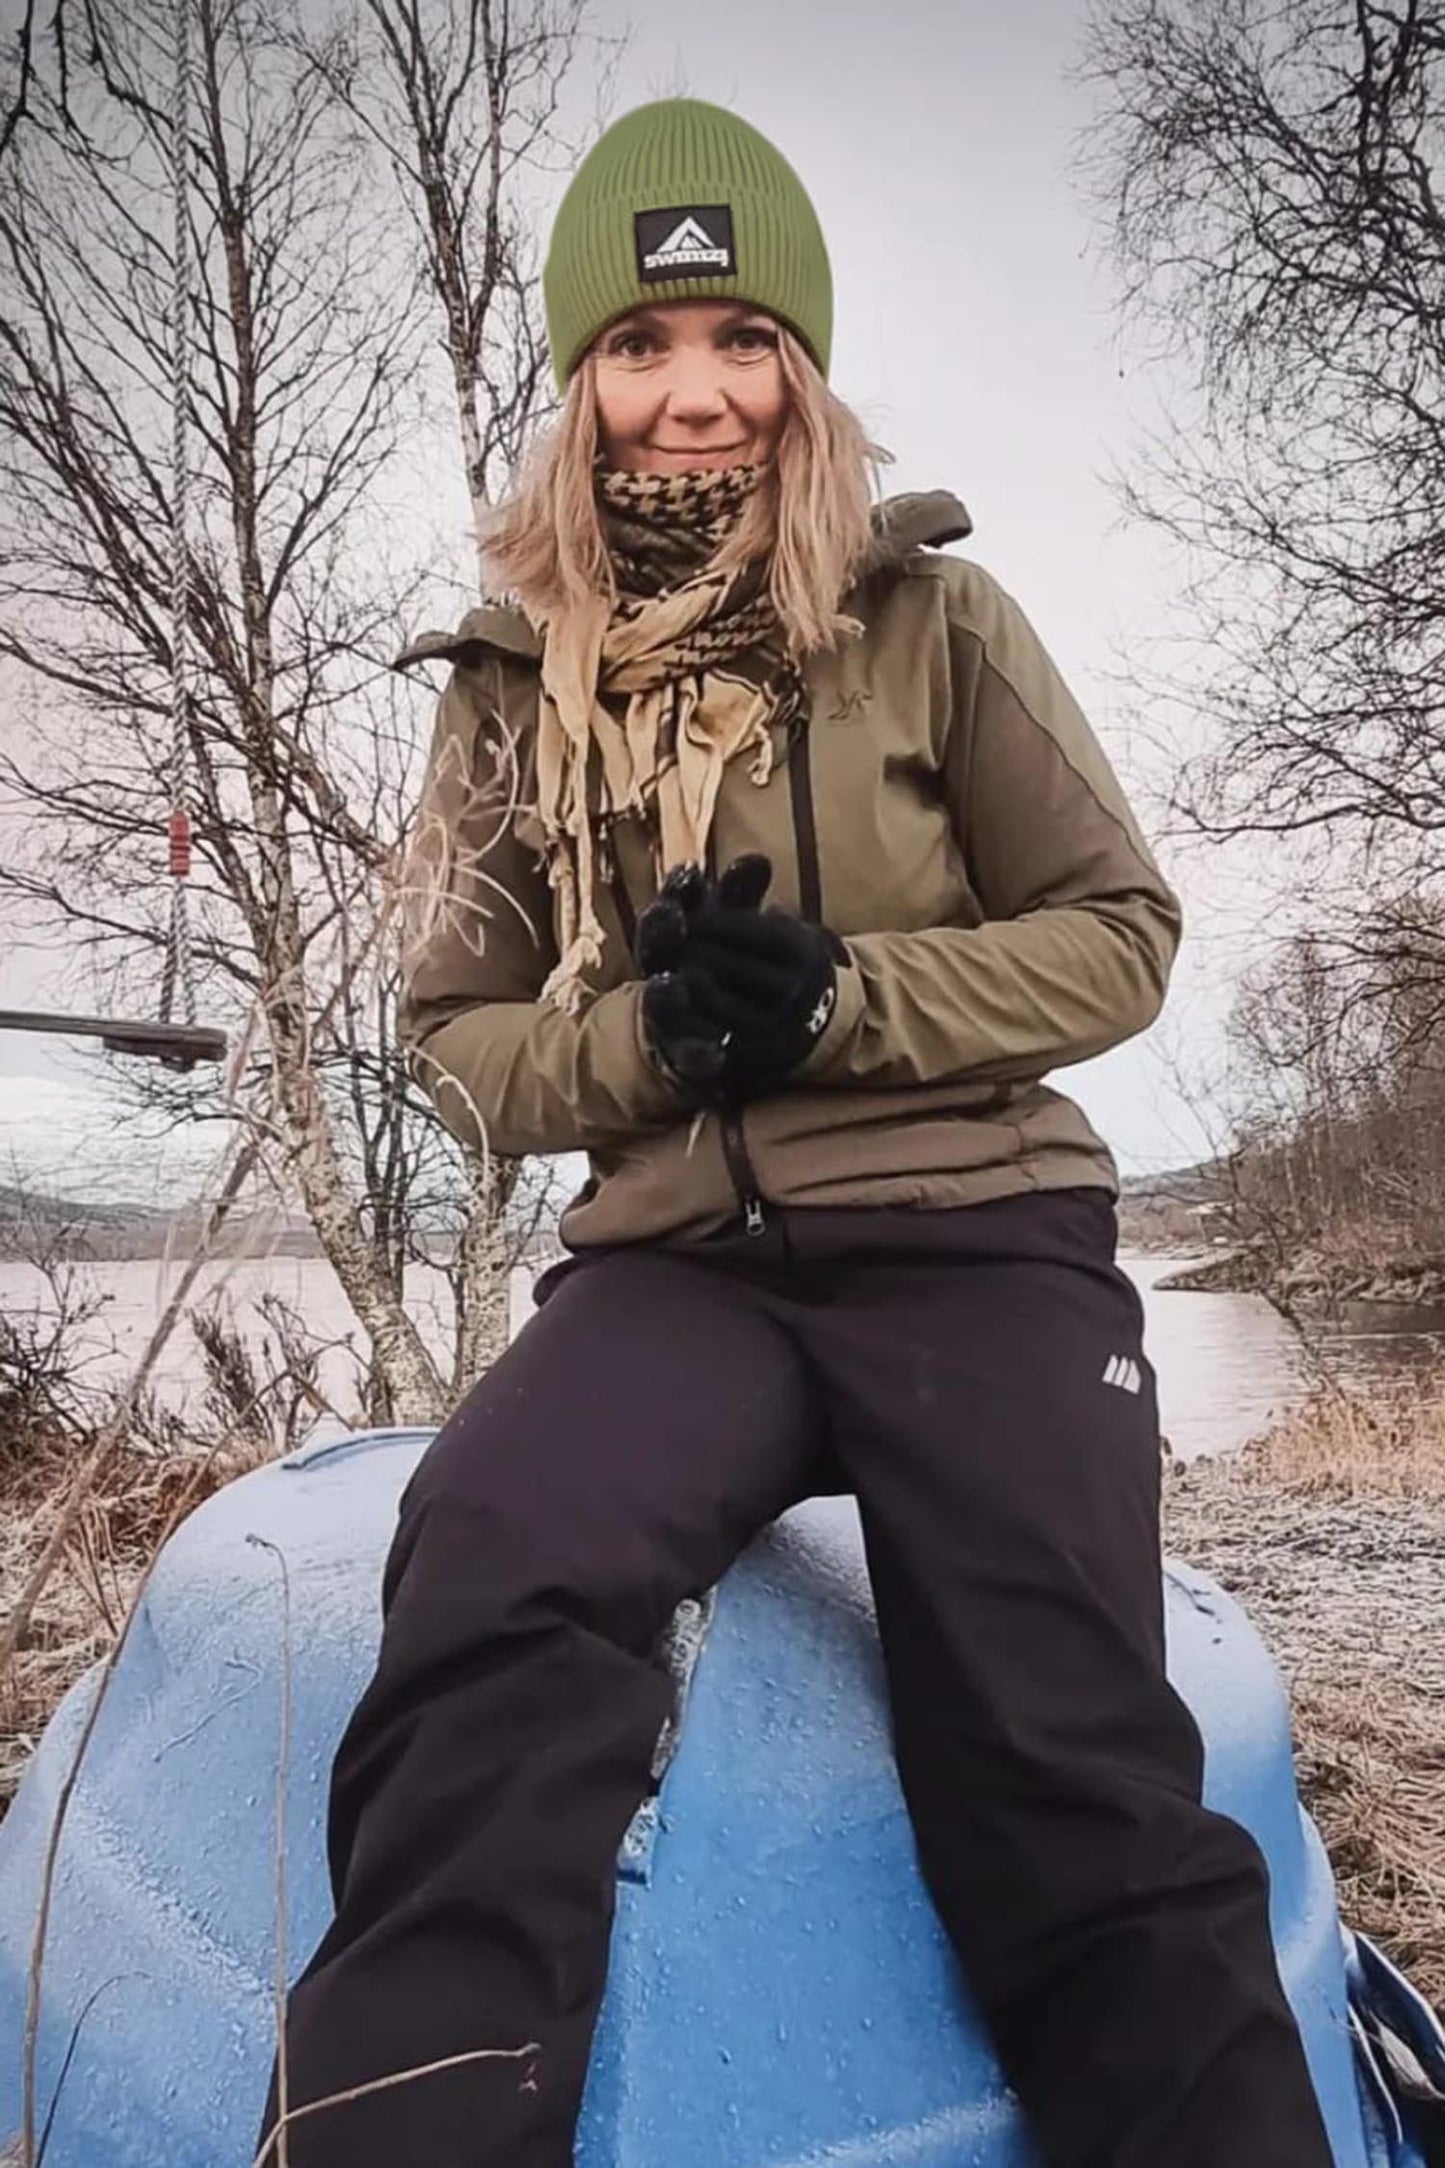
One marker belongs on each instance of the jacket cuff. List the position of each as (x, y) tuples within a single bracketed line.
[(663, 1096), (842, 1024)]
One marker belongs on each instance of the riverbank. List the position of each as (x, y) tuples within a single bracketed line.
[(1354, 1267), (1313, 1282), (1331, 1533), (1242, 1243)]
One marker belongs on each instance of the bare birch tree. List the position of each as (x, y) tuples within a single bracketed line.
[(462, 99), (307, 338), (1268, 171), (41, 51)]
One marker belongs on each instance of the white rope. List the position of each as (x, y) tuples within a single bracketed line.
[(179, 969)]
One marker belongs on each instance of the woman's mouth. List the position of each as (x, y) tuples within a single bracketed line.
[(698, 451)]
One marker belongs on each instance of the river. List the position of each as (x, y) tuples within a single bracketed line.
[(1227, 1364)]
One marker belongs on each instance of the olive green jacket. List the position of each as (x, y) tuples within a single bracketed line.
[(942, 804)]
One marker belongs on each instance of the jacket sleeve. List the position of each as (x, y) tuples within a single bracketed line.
[(507, 1073), (1080, 927)]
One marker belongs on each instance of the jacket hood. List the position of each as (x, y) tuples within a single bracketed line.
[(925, 519)]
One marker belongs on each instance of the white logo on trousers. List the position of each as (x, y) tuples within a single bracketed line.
[(1120, 1371)]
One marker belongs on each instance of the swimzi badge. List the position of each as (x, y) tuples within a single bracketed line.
[(687, 242)]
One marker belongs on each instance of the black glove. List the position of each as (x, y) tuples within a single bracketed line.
[(736, 996)]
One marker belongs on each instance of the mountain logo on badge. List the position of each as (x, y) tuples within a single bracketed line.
[(685, 242)]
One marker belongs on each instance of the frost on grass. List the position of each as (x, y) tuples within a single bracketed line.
[(1331, 1533)]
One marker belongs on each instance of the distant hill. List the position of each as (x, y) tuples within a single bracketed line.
[(79, 1226), (1199, 1184), (1172, 1212), (89, 1227), (1169, 1211)]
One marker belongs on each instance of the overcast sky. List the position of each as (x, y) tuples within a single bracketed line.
[(976, 336)]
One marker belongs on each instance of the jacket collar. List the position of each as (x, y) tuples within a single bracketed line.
[(922, 520)]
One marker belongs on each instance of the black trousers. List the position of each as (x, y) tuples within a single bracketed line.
[(659, 1410)]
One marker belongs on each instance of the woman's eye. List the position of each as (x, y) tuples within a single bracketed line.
[(630, 345), (753, 339)]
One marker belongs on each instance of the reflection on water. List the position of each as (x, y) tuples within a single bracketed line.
[(1228, 1364), (1381, 1339)]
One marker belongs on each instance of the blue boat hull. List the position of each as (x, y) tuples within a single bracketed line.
[(780, 1992)]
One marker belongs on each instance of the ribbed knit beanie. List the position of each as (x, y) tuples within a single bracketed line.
[(681, 201)]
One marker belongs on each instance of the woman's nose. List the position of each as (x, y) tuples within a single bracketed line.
[(695, 391)]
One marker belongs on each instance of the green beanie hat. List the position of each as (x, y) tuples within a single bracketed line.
[(681, 201)]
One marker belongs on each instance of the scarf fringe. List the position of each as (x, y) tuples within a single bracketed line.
[(691, 708)]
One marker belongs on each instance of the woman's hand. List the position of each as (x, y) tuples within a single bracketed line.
[(736, 997)]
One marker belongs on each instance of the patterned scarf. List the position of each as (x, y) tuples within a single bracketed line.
[(647, 702)]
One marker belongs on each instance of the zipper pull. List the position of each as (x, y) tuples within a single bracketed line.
[(753, 1215)]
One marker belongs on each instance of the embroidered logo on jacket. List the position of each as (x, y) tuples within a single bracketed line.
[(685, 243), (1120, 1371)]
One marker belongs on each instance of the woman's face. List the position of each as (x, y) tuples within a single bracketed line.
[(690, 384)]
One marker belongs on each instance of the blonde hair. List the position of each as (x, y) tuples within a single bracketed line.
[(810, 517)]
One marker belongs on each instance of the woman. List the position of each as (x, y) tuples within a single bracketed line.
[(834, 1220)]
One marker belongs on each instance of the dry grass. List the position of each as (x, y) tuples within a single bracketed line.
[(1372, 1769), (85, 1599), (1344, 1446), (1331, 1532)]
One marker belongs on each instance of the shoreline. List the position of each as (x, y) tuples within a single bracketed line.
[(1311, 1281)]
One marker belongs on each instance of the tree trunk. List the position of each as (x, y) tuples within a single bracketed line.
[(485, 1275), (410, 1378)]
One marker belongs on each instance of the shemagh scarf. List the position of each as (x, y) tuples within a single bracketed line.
[(646, 701)]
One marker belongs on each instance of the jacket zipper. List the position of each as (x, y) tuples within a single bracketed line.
[(810, 895), (810, 891), (805, 817), (744, 1174)]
